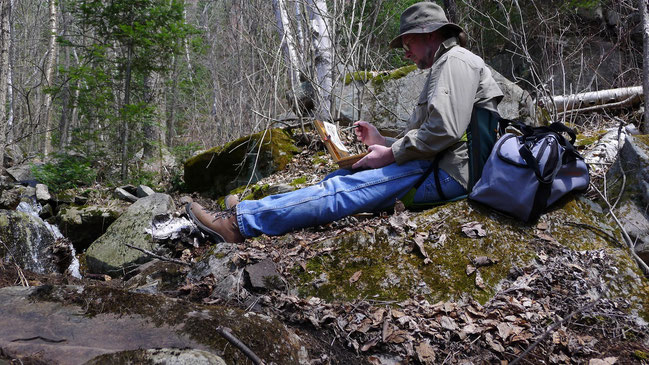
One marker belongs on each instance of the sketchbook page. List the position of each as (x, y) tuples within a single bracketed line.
[(332, 132)]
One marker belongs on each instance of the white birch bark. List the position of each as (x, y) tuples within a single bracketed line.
[(288, 41), (5, 13), (321, 33), (563, 103), (645, 64), (49, 78)]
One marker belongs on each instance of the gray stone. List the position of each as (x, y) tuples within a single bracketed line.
[(125, 195), (264, 275), (161, 356), (156, 276), (21, 172), (280, 189), (109, 255), (388, 104), (219, 264), (74, 325), (42, 193), (517, 103), (144, 191), (84, 224), (26, 241)]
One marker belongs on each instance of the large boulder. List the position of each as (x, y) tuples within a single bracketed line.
[(388, 98), (217, 171), (630, 177), (84, 224), (29, 243), (109, 254), (73, 325)]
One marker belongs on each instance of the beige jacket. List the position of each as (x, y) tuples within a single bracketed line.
[(458, 80)]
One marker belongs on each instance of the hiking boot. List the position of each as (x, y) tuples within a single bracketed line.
[(231, 201), (222, 226)]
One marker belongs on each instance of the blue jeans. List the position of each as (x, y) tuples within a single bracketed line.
[(340, 194)]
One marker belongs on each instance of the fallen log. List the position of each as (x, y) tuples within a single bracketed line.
[(620, 97)]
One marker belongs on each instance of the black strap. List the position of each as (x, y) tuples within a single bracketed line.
[(438, 183), (545, 183), (475, 169)]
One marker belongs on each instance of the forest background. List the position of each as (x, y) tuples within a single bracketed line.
[(99, 88)]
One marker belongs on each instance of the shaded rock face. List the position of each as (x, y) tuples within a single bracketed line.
[(27, 242), (389, 102), (221, 169), (108, 254), (633, 190), (83, 225), (73, 325)]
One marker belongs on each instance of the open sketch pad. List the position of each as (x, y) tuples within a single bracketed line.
[(338, 151)]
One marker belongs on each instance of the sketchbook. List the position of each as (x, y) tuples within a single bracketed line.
[(340, 154)]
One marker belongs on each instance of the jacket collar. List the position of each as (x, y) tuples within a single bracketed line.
[(445, 46)]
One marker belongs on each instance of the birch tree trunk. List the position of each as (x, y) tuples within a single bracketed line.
[(288, 41), (49, 76), (321, 32), (5, 35), (645, 64)]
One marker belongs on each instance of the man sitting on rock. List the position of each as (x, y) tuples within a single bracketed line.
[(458, 80)]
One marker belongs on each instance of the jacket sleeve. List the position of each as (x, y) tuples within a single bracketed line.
[(451, 95)]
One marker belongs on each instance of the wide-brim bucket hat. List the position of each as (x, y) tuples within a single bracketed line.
[(422, 17)]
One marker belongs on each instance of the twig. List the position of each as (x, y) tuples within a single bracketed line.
[(552, 329), (157, 256), (227, 334)]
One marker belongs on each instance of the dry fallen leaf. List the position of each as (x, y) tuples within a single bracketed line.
[(354, 278), (425, 353), (473, 230), (369, 344), (542, 226), (606, 361), (470, 269), (420, 238), (479, 282)]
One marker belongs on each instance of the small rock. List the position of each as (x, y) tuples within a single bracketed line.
[(129, 188), (143, 191), (42, 193), (185, 200), (264, 275), (125, 195)]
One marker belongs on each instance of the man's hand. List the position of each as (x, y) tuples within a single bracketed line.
[(378, 156), (368, 134)]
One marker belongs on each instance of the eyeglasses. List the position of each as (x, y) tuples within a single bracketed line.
[(405, 46)]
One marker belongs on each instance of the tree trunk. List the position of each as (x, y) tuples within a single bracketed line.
[(451, 10), (288, 42), (318, 15), (49, 78), (645, 65), (125, 112), (5, 12), (152, 132), (621, 97)]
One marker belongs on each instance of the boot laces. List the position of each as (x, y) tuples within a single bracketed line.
[(222, 214)]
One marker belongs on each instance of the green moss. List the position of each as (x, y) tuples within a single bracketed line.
[(251, 158), (298, 181), (393, 269), (378, 78), (196, 322), (583, 140), (640, 355)]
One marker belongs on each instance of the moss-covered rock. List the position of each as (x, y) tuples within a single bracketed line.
[(392, 268), (109, 254), (84, 224), (217, 171), (110, 320)]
